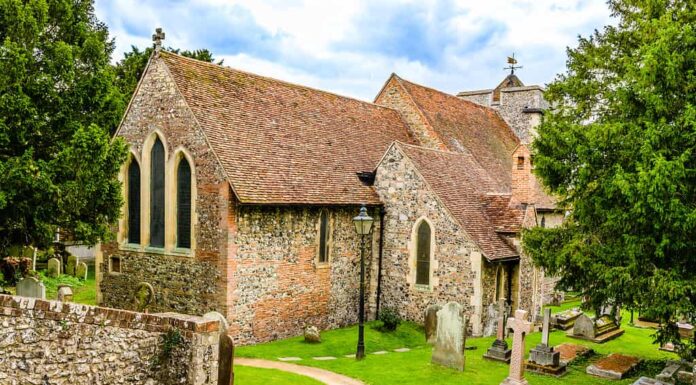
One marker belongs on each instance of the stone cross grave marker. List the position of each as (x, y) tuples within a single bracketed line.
[(520, 328), (431, 323), (499, 350), (543, 358), (451, 337), (54, 266), (31, 287)]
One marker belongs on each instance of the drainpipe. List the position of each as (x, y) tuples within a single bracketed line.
[(379, 263)]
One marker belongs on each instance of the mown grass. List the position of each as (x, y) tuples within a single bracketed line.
[(414, 367), (84, 292), (255, 376)]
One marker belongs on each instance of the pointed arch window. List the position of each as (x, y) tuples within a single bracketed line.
[(134, 202), (183, 204), (423, 245), (157, 194), (323, 237)]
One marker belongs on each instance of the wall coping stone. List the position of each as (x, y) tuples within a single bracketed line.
[(87, 314)]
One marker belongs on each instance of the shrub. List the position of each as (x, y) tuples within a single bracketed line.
[(13, 269), (390, 319)]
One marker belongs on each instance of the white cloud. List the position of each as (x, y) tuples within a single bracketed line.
[(350, 47)]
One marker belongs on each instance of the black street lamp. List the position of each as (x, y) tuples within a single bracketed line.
[(363, 225)]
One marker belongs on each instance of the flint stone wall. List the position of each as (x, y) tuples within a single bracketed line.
[(278, 286), (454, 279), (50, 342)]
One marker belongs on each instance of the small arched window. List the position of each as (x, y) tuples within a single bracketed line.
[(423, 254), (323, 237), (183, 204), (157, 194), (134, 202)]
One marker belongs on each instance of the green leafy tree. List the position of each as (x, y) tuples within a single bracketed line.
[(619, 148), (131, 67), (58, 102)]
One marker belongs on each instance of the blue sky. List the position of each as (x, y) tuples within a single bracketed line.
[(351, 47)]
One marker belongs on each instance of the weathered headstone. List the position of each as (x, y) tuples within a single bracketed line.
[(53, 269), (615, 366), (686, 330), (520, 327), (215, 316), (312, 335), (144, 296), (430, 324), (65, 293), (566, 319), (31, 287), (499, 350), (598, 331), (649, 381), (72, 265), (543, 358), (226, 360), (450, 338), (81, 271)]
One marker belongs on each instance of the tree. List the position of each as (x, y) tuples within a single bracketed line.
[(619, 148), (131, 67), (58, 102)]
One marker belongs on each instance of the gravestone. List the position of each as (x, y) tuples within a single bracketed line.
[(144, 295), (215, 316), (81, 271), (669, 373), (31, 287), (72, 265), (312, 335), (499, 350), (226, 360), (566, 319), (430, 324), (520, 327), (686, 330), (649, 381), (615, 366), (570, 352), (53, 269), (543, 359), (598, 330), (450, 339), (65, 293)]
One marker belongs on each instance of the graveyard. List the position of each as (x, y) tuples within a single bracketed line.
[(402, 357)]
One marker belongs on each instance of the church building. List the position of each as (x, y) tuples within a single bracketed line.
[(240, 191)]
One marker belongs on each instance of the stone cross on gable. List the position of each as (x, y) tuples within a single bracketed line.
[(157, 37), (520, 327)]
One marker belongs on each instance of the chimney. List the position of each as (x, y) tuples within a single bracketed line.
[(522, 178)]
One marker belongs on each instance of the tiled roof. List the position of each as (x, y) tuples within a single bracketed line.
[(464, 126), (283, 143), (505, 215), (462, 186)]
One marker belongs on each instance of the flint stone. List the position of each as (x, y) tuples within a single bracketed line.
[(81, 271), (31, 287), (312, 335), (53, 269), (430, 324), (450, 338)]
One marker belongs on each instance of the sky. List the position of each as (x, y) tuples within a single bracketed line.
[(350, 47)]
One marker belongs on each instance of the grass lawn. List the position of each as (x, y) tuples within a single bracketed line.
[(256, 376), (414, 367), (84, 292)]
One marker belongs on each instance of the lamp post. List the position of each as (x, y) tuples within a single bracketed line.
[(363, 225)]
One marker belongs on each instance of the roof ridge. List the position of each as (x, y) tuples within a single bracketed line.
[(448, 95), (268, 78), (448, 152)]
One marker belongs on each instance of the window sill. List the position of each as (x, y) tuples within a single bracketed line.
[(178, 251), (424, 288), (322, 265)]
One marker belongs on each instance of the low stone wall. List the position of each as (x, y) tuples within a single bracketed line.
[(50, 342)]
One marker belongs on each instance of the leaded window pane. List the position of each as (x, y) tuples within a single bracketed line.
[(323, 237), (157, 195), (134, 202), (183, 205), (423, 254)]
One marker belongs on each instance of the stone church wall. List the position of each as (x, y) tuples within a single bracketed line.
[(457, 264), (49, 342), (278, 286), (186, 281)]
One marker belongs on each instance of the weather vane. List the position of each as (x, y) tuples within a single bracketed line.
[(512, 61)]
